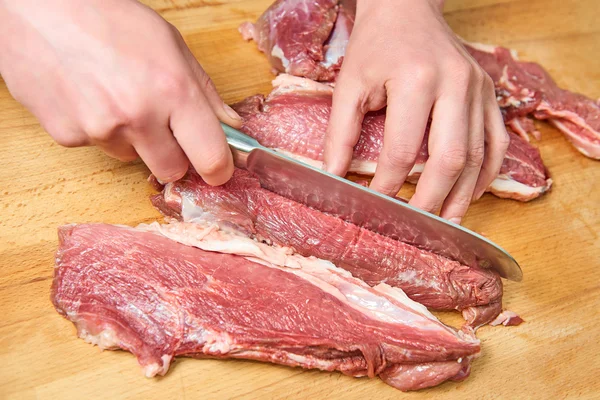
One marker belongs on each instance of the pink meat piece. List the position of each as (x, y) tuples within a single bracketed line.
[(507, 318), (244, 206), (522, 88), (525, 88), (293, 36), (293, 119), (524, 126), (226, 296)]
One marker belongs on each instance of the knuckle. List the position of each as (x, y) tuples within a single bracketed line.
[(504, 141), (479, 77), (63, 136), (462, 202), (424, 74), (461, 72), (172, 84), (475, 156), (488, 83), (67, 140), (128, 157), (400, 157), (98, 130), (215, 163), (452, 162)]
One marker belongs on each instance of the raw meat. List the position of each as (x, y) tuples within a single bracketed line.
[(507, 318), (293, 119), (526, 88), (293, 36), (522, 88), (244, 206), (299, 37), (232, 297)]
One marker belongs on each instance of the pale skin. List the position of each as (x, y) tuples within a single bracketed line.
[(114, 74)]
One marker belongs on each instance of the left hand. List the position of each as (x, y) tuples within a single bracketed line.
[(402, 54)]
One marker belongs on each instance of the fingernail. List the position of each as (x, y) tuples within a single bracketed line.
[(231, 112), (478, 196), (455, 220)]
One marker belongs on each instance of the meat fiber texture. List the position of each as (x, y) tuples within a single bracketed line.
[(242, 205), (293, 119), (523, 89), (220, 295)]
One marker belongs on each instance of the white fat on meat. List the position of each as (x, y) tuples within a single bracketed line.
[(487, 48), (151, 370), (363, 167), (586, 148), (286, 83), (277, 52), (106, 339), (384, 303), (504, 186)]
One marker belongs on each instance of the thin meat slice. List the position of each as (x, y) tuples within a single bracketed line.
[(227, 296), (244, 206), (522, 88), (293, 119), (525, 88)]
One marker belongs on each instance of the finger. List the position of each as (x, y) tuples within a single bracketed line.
[(121, 151), (198, 132), (223, 111), (344, 128), (406, 120), (448, 142), (161, 153), (456, 204), (496, 139), (63, 132)]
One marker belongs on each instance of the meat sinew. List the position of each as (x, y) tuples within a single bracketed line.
[(522, 88), (226, 296), (243, 205), (293, 119)]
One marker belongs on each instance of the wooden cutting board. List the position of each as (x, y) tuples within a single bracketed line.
[(554, 354)]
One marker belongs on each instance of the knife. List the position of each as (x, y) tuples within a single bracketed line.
[(366, 208)]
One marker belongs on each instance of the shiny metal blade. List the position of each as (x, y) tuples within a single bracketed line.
[(369, 209)]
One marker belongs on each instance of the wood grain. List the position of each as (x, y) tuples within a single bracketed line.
[(553, 355)]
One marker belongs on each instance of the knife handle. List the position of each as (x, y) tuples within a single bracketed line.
[(241, 145)]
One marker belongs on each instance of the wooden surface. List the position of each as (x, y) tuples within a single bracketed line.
[(554, 354)]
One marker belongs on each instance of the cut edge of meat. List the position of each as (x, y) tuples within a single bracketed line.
[(507, 188), (192, 200)]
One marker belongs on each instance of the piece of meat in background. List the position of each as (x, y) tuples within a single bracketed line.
[(302, 39)]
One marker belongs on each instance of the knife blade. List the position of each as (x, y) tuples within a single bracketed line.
[(366, 208)]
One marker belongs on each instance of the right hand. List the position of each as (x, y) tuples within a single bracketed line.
[(114, 74)]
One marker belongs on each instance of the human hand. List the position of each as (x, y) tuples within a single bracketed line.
[(113, 73), (403, 54)]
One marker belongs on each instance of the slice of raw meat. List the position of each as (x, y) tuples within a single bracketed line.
[(244, 206), (293, 119), (525, 88), (232, 297), (522, 88), (293, 36)]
